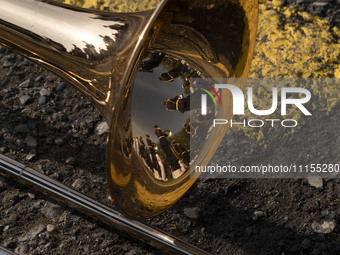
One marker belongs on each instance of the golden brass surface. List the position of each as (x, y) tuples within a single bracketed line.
[(124, 63), (90, 49)]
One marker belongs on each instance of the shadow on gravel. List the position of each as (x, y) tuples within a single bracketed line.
[(23, 134), (231, 221)]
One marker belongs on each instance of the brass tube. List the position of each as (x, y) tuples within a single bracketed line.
[(79, 201), (88, 48), (4, 251)]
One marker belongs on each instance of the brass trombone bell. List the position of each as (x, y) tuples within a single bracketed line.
[(127, 64)]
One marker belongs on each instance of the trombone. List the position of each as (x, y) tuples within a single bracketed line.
[(115, 60)]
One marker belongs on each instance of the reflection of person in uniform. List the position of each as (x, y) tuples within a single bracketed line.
[(183, 104), (164, 143), (143, 152), (187, 82), (136, 145), (155, 60), (152, 147), (182, 152), (172, 74), (191, 129), (178, 103)]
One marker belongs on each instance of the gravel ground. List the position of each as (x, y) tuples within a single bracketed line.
[(48, 125)]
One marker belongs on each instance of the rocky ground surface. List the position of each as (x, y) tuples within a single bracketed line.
[(49, 126)]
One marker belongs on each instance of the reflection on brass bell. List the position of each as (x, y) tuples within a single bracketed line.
[(116, 59)]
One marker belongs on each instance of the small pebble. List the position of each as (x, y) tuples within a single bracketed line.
[(78, 184), (192, 213), (25, 84), (102, 128), (59, 141), (31, 155), (24, 100), (42, 100), (45, 92), (3, 149), (61, 87), (325, 227), (50, 228), (31, 195), (70, 161), (31, 141), (258, 214), (315, 181)]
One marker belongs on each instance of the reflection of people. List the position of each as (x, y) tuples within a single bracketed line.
[(143, 152), (164, 143), (190, 129), (186, 84), (152, 147), (172, 74), (161, 166), (136, 145), (178, 103), (155, 60), (182, 152)]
